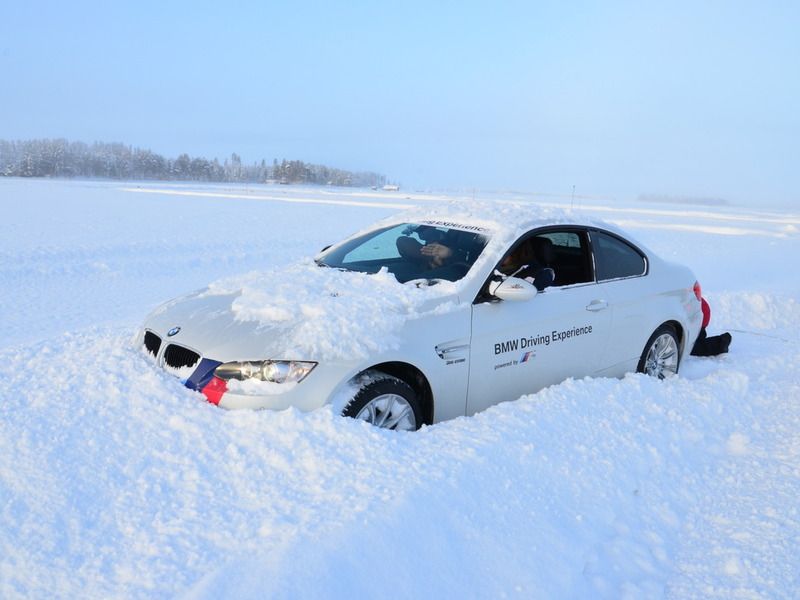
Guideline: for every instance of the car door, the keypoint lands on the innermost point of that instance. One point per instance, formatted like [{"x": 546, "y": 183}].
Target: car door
[
  {"x": 519, "y": 347},
  {"x": 623, "y": 270}
]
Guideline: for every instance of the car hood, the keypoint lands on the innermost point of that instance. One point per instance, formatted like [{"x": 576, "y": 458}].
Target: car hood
[
  {"x": 303, "y": 312},
  {"x": 208, "y": 325}
]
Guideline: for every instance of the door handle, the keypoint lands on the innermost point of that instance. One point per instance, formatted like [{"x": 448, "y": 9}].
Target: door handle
[{"x": 596, "y": 305}]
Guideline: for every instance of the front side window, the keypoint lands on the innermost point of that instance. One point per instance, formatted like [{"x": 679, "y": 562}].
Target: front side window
[
  {"x": 567, "y": 252},
  {"x": 410, "y": 251},
  {"x": 615, "y": 258}
]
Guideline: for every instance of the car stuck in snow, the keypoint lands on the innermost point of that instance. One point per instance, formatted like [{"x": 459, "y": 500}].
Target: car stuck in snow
[{"x": 431, "y": 315}]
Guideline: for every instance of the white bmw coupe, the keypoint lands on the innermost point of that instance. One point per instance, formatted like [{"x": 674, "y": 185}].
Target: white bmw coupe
[{"x": 432, "y": 315}]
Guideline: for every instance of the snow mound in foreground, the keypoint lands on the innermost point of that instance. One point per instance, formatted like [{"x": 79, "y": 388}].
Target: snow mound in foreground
[{"x": 117, "y": 481}]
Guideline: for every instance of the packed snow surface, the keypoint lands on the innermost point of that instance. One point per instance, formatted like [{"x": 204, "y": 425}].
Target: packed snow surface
[{"x": 116, "y": 481}]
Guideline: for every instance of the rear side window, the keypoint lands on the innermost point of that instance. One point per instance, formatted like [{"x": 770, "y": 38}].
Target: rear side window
[{"x": 614, "y": 258}]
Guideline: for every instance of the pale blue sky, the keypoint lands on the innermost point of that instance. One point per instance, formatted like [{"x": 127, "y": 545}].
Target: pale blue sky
[{"x": 617, "y": 98}]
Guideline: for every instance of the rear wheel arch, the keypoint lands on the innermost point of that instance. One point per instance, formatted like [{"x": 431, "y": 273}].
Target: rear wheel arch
[
  {"x": 662, "y": 352},
  {"x": 676, "y": 325}
]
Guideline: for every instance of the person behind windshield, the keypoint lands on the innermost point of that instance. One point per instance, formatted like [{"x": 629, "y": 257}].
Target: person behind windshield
[{"x": 432, "y": 253}]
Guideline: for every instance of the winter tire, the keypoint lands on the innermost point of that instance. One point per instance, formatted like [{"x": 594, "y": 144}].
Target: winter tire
[
  {"x": 386, "y": 402},
  {"x": 661, "y": 355}
]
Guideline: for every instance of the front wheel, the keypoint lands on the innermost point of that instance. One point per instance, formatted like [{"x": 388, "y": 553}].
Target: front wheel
[
  {"x": 387, "y": 402},
  {"x": 661, "y": 355}
]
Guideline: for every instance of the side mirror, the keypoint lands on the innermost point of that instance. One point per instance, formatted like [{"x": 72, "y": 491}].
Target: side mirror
[{"x": 512, "y": 288}]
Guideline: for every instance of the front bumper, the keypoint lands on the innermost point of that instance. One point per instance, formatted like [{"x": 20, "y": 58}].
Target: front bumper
[{"x": 309, "y": 394}]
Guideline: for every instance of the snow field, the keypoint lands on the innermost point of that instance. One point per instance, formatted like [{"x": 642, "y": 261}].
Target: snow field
[
  {"x": 75, "y": 254},
  {"x": 115, "y": 481}
]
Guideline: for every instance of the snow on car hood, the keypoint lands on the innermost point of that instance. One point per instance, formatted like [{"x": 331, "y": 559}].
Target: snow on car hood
[{"x": 323, "y": 313}]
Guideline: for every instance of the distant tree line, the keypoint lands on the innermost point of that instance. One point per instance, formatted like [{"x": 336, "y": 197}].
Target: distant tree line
[{"x": 62, "y": 158}]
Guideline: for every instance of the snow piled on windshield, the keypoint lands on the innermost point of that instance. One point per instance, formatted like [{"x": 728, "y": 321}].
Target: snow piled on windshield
[{"x": 326, "y": 313}]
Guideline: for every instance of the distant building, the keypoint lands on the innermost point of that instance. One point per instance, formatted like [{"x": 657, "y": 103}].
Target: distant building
[{"x": 391, "y": 188}]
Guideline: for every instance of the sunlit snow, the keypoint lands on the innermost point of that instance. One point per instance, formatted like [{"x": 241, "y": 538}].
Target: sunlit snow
[{"x": 117, "y": 481}]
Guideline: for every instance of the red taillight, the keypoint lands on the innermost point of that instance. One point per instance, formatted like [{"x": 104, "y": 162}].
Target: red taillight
[
  {"x": 698, "y": 292},
  {"x": 214, "y": 389}
]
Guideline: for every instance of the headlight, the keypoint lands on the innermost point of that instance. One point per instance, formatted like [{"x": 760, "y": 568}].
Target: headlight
[{"x": 275, "y": 371}]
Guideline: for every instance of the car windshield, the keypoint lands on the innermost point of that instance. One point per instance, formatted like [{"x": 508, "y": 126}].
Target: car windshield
[{"x": 411, "y": 251}]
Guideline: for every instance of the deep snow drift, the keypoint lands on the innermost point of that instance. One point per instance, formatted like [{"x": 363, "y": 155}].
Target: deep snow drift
[{"x": 117, "y": 481}]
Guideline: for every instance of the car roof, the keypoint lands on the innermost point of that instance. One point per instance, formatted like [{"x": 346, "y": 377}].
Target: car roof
[
  {"x": 505, "y": 221},
  {"x": 498, "y": 217}
]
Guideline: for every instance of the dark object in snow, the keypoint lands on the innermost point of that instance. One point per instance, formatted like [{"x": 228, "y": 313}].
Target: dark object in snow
[{"x": 713, "y": 345}]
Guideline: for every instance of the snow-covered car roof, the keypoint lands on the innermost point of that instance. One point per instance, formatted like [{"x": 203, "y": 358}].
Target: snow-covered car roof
[
  {"x": 503, "y": 222},
  {"x": 494, "y": 217}
]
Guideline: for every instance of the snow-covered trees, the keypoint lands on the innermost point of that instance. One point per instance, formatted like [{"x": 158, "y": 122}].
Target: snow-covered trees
[{"x": 62, "y": 158}]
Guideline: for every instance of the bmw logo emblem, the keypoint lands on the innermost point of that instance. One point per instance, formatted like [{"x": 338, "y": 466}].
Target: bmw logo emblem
[{"x": 173, "y": 331}]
